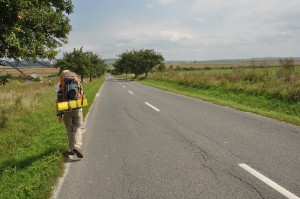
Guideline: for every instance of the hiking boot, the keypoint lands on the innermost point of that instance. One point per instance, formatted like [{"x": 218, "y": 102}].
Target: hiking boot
[{"x": 78, "y": 152}]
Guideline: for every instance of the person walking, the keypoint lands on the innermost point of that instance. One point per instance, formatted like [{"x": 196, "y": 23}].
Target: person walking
[{"x": 70, "y": 88}]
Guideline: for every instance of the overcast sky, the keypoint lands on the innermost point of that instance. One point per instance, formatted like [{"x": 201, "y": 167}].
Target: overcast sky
[{"x": 188, "y": 29}]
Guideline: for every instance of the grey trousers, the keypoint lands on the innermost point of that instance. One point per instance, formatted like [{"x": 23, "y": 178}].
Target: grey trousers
[{"x": 74, "y": 125}]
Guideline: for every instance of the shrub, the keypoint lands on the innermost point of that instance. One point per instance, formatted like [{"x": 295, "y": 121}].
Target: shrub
[
  {"x": 286, "y": 69},
  {"x": 5, "y": 79},
  {"x": 287, "y": 64}
]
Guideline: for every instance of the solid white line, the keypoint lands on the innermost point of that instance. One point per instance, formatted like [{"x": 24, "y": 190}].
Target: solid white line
[
  {"x": 269, "y": 182},
  {"x": 130, "y": 92},
  {"x": 152, "y": 106}
]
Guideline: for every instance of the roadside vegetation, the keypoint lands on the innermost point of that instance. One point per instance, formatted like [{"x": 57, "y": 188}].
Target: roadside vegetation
[
  {"x": 269, "y": 91},
  {"x": 33, "y": 144}
]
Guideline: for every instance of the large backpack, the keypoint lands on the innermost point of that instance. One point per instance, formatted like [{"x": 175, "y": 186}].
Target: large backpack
[{"x": 71, "y": 88}]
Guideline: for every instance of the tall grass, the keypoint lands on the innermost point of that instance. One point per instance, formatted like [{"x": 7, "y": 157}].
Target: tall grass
[
  {"x": 32, "y": 143},
  {"x": 274, "y": 92},
  {"x": 274, "y": 83}
]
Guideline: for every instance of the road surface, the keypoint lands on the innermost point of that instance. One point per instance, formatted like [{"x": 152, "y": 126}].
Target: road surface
[{"x": 141, "y": 142}]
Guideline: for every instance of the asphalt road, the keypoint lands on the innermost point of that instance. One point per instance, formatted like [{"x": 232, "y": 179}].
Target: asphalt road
[{"x": 141, "y": 142}]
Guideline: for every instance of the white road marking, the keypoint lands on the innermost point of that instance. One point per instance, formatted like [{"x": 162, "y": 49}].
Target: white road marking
[
  {"x": 152, "y": 106},
  {"x": 120, "y": 83},
  {"x": 269, "y": 182},
  {"x": 123, "y": 86},
  {"x": 130, "y": 92}
]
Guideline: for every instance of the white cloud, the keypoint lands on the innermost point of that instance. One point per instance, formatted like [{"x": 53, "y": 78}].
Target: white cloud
[
  {"x": 174, "y": 36},
  {"x": 200, "y": 29}
]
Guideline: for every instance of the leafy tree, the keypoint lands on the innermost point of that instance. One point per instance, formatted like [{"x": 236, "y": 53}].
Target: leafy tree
[
  {"x": 122, "y": 64},
  {"x": 138, "y": 61},
  {"x": 33, "y": 29},
  {"x": 96, "y": 66},
  {"x": 149, "y": 59},
  {"x": 82, "y": 63}
]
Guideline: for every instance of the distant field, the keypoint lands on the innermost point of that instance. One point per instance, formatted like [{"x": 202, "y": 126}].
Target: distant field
[
  {"x": 41, "y": 71},
  {"x": 224, "y": 64}
]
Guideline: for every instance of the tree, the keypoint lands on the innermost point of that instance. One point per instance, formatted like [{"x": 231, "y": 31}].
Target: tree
[
  {"x": 33, "y": 29},
  {"x": 82, "y": 63},
  {"x": 149, "y": 59},
  {"x": 96, "y": 66},
  {"x": 138, "y": 61},
  {"x": 122, "y": 64}
]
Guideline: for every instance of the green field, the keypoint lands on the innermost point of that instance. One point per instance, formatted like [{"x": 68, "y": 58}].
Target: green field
[
  {"x": 33, "y": 144},
  {"x": 224, "y": 64},
  {"x": 272, "y": 92}
]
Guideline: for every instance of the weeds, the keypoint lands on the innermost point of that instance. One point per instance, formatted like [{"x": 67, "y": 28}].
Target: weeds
[
  {"x": 282, "y": 83},
  {"x": 32, "y": 142}
]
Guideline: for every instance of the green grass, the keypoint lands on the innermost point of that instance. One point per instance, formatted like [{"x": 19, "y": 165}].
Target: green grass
[
  {"x": 266, "y": 96},
  {"x": 33, "y": 143}
]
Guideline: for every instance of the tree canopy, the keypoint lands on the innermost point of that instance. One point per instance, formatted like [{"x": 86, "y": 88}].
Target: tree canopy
[
  {"x": 83, "y": 63},
  {"x": 33, "y": 29},
  {"x": 138, "y": 61}
]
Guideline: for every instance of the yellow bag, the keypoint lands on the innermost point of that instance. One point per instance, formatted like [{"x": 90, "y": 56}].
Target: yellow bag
[{"x": 73, "y": 104}]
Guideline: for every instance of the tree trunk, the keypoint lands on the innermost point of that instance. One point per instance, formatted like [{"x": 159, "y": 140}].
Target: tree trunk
[
  {"x": 90, "y": 77},
  {"x": 82, "y": 78}
]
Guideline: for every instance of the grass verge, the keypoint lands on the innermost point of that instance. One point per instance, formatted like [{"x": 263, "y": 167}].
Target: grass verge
[
  {"x": 33, "y": 144},
  {"x": 259, "y": 104}
]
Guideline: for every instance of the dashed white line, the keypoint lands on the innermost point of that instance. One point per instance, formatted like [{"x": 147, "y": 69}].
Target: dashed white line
[
  {"x": 123, "y": 86},
  {"x": 152, "y": 106},
  {"x": 130, "y": 92},
  {"x": 269, "y": 182}
]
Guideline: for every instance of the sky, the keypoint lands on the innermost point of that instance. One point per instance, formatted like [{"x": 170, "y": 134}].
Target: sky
[{"x": 187, "y": 29}]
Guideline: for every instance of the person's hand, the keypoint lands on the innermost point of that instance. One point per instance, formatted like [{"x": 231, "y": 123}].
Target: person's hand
[{"x": 59, "y": 117}]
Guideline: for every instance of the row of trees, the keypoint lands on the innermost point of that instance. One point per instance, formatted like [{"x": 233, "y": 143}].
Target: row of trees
[
  {"x": 83, "y": 63},
  {"x": 138, "y": 61}
]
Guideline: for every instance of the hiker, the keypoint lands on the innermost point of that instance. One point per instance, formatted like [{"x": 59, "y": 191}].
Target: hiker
[{"x": 70, "y": 88}]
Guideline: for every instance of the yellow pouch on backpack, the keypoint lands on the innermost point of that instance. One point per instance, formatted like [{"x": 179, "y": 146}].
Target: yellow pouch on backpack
[{"x": 72, "y": 104}]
